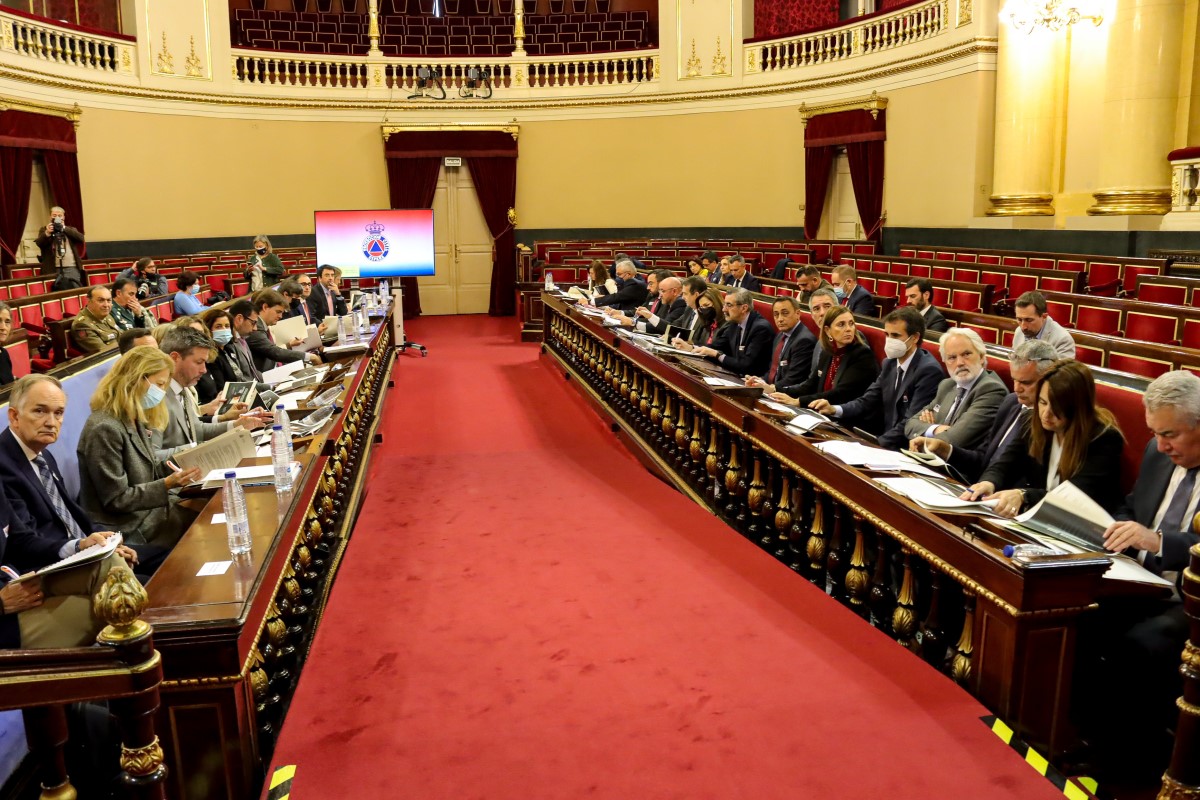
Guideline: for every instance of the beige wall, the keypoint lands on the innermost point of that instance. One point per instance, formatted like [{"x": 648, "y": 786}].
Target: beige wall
[{"x": 149, "y": 176}]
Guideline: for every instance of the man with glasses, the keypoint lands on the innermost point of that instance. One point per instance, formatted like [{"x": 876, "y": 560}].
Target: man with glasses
[
  {"x": 743, "y": 345},
  {"x": 966, "y": 402}
]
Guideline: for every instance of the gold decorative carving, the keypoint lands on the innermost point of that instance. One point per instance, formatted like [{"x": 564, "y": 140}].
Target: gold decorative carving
[
  {"x": 960, "y": 665},
  {"x": 512, "y": 128},
  {"x": 126, "y": 60},
  {"x": 964, "y": 13},
  {"x": 874, "y": 104},
  {"x": 64, "y": 791},
  {"x": 164, "y": 60},
  {"x": 119, "y": 602},
  {"x": 142, "y": 760},
  {"x": 720, "y": 64},
  {"x": 512, "y": 217},
  {"x": 693, "y": 64},
  {"x": 1187, "y": 708},
  {"x": 191, "y": 65},
  {"x": 1021, "y": 205},
  {"x": 1130, "y": 201},
  {"x": 378, "y": 77},
  {"x": 1176, "y": 190},
  {"x": 1191, "y": 656},
  {"x": 1174, "y": 790},
  {"x": 74, "y": 113},
  {"x": 8, "y": 35},
  {"x": 656, "y": 68}
]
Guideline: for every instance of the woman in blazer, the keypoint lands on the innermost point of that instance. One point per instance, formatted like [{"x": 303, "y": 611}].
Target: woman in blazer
[
  {"x": 122, "y": 485},
  {"x": 845, "y": 368},
  {"x": 711, "y": 316},
  {"x": 1070, "y": 438},
  {"x": 602, "y": 285}
]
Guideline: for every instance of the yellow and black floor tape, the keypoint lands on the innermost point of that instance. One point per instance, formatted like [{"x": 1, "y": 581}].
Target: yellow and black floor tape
[
  {"x": 281, "y": 783},
  {"x": 1080, "y": 788}
]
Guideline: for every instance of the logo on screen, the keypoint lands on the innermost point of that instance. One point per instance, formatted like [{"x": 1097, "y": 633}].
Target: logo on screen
[{"x": 375, "y": 247}]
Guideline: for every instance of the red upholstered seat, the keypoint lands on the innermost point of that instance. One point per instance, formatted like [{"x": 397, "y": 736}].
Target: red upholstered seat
[
  {"x": 919, "y": 270},
  {"x": 1094, "y": 319},
  {"x": 966, "y": 257},
  {"x": 1051, "y": 284},
  {"x": 941, "y": 273},
  {"x": 989, "y": 335},
  {"x": 1062, "y": 313},
  {"x": 941, "y": 296},
  {"x": 1014, "y": 261},
  {"x": 1092, "y": 356},
  {"x": 966, "y": 275},
  {"x": 966, "y": 300},
  {"x": 1162, "y": 293},
  {"x": 1132, "y": 271},
  {"x": 1038, "y": 262},
  {"x": 1151, "y": 327},
  {"x": 1137, "y": 365}
]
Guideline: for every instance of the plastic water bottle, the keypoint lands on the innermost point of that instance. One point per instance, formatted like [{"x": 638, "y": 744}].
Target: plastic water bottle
[
  {"x": 549, "y": 281},
  {"x": 283, "y": 420},
  {"x": 1031, "y": 551},
  {"x": 343, "y": 333},
  {"x": 237, "y": 523},
  {"x": 281, "y": 458}
]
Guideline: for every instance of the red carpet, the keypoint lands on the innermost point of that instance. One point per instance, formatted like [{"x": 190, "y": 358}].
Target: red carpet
[{"x": 523, "y": 612}]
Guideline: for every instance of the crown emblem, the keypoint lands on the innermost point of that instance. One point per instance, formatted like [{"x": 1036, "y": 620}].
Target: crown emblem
[{"x": 374, "y": 229}]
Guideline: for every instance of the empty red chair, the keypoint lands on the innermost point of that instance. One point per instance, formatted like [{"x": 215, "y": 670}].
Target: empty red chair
[
  {"x": 1104, "y": 278},
  {"x": 1094, "y": 319},
  {"x": 941, "y": 296},
  {"x": 919, "y": 270},
  {"x": 867, "y": 283},
  {"x": 989, "y": 258},
  {"x": 989, "y": 335},
  {"x": 1092, "y": 356},
  {"x": 966, "y": 300},
  {"x": 1051, "y": 284},
  {"x": 1132, "y": 272},
  {"x": 965, "y": 257},
  {"x": 925, "y": 254},
  {"x": 1062, "y": 313},
  {"x": 1015, "y": 261},
  {"x": 1151, "y": 327},
  {"x": 1138, "y": 365},
  {"x": 887, "y": 288},
  {"x": 966, "y": 275},
  {"x": 941, "y": 273},
  {"x": 1162, "y": 293},
  {"x": 768, "y": 289},
  {"x": 1006, "y": 338}
]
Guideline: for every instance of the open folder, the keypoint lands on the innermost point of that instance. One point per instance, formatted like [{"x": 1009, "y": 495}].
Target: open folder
[
  {"x": 287, "y": 330},
  {"x": 222, "y": 452}
]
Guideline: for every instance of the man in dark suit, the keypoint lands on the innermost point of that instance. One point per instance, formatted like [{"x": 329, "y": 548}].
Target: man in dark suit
[
  {"x": 851, "y": 295},
  {"x": 966, "y": 402},
  {"x": 53, "y": 525},
  {"x": 909, "y": 379},
  {"x": 632, "y": 293},
  {"x": 919, "y": 294},
  {"x": 269, "y": 306},
  {"x": 1027, "y": 364},
  {"x": 739, "y": 275},
  {"x": 743, "y": 345},
  {"x": 325, "y": 300},
  {"x": 809, "y": 280},
  {"x": 792, "y": 352},
  {"x": 671, "y": 309}
]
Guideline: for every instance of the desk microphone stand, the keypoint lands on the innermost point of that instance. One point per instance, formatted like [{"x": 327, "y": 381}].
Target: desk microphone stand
[{"x": 402, "y": 342}]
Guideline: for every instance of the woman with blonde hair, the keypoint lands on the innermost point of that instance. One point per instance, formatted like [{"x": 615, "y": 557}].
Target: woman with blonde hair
[
  {"x": 263, "y": 267},
  {"x": 122, "y": 484}
]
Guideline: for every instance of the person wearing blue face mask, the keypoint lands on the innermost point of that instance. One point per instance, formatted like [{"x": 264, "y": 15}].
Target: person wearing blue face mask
[
  {"x": 232, "y": 364},
  {"x": 186, "y": 302},
  {"x": 122, "y": 486}
]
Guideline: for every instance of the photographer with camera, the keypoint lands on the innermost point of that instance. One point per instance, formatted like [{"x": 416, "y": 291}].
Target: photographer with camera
[
  {"x": 144, "y": 273},
  {"x": 59, "y": 243}
]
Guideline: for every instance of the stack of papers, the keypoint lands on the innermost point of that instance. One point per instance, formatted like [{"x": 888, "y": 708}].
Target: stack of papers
[
  {"x": 247, "y": 476},
  {"x": 861, "y": 455},
  {"x": 713, "y": 381},
  {"x": 937, "y": 495},
  {"x": 806, "y": 419}
]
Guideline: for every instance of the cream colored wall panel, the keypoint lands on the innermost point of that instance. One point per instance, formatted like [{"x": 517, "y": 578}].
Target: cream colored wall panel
[
  {"x": 932, "y": 171},
  {"x": 148, "y": 176},
  {"x": 736, "y": 169}
]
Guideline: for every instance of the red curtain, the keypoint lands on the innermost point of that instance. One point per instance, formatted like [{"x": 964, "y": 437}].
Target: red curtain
[
  {"x": 16, "y": 178},
  {"x": 62, "y": 173},
  {"x": 866, "y": 175},
  {"x": 817, "y": 163},
  {"x": 22, "y": 135},
  {"x": 412, "y": 183},
  {"x": 496, "y": 184},
  {"x": 774, "y": 18},
  {"x": 492, "y": 158},
  {"x": 862, "y": 133}
]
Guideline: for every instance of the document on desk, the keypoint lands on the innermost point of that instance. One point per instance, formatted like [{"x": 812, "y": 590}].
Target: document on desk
[
  {"x": 282, "y": 372},
  {"x": 857, "y": 454},
  {"x": 291, "y": 328},
  {"x": 806, "y": 420},
  {"x": 223, "y": 452},
  {"x": 1123, "y": 567},
  {"x": 936, "y": 495},
  {"x": 263, "y": 474},
  {"x": 590, "y": 311},
  {"x": 715, "y": 381},
  {"x": 1067, "y": 513}
]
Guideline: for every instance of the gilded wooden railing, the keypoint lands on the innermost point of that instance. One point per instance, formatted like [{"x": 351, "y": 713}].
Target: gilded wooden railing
[
  {"x": 45, "y": 41},
  {"x": 1182, "y": 780}
]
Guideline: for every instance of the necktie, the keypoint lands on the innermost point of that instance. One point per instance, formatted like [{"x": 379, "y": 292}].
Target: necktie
[
  {"x": 1008, "y": 431},
  {"x": 329, "y": 301},
  {"x": 959, "y": 394},
  {"x": 249, "y": 359},
  {"x": 1178, "y": 507},
  {"x": 189, "y": 415},
  {"x": 56, "y": 499},
  {"x": 899, "y": 379},
  {"x": 783, "y": 337}
]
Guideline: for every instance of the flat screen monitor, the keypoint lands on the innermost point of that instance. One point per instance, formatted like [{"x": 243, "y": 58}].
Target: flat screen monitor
[{"x": 384, "y": 243}]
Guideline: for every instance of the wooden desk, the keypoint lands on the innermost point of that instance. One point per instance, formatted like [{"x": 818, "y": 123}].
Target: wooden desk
[
  {"x": 940, "y": 588},
  {"x": 232, "y": 645}
]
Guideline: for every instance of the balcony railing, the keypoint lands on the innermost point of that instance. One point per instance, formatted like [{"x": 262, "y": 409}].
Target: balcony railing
[
  {"x": 868, "y": 35},
  {"x": 66, "y": 45}
]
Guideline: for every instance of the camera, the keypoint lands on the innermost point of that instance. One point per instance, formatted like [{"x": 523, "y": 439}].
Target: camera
[{"x": 57, "y": 224}]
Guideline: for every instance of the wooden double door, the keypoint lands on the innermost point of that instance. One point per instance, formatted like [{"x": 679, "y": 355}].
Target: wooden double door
[{"x": 462, "y": 249}]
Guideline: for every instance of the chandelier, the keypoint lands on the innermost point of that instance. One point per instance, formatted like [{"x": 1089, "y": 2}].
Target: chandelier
[{"x": 1054, "y": 15}]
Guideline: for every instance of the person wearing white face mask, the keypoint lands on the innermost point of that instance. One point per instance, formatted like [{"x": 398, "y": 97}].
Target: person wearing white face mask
[
  {"x": 908, "y": 379},
  {"x": 232, "y": 364},
  {"x": 962, "y": 411},
  {"x": 122, "y": 486},
  {"x": 186, "y": 302}
]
